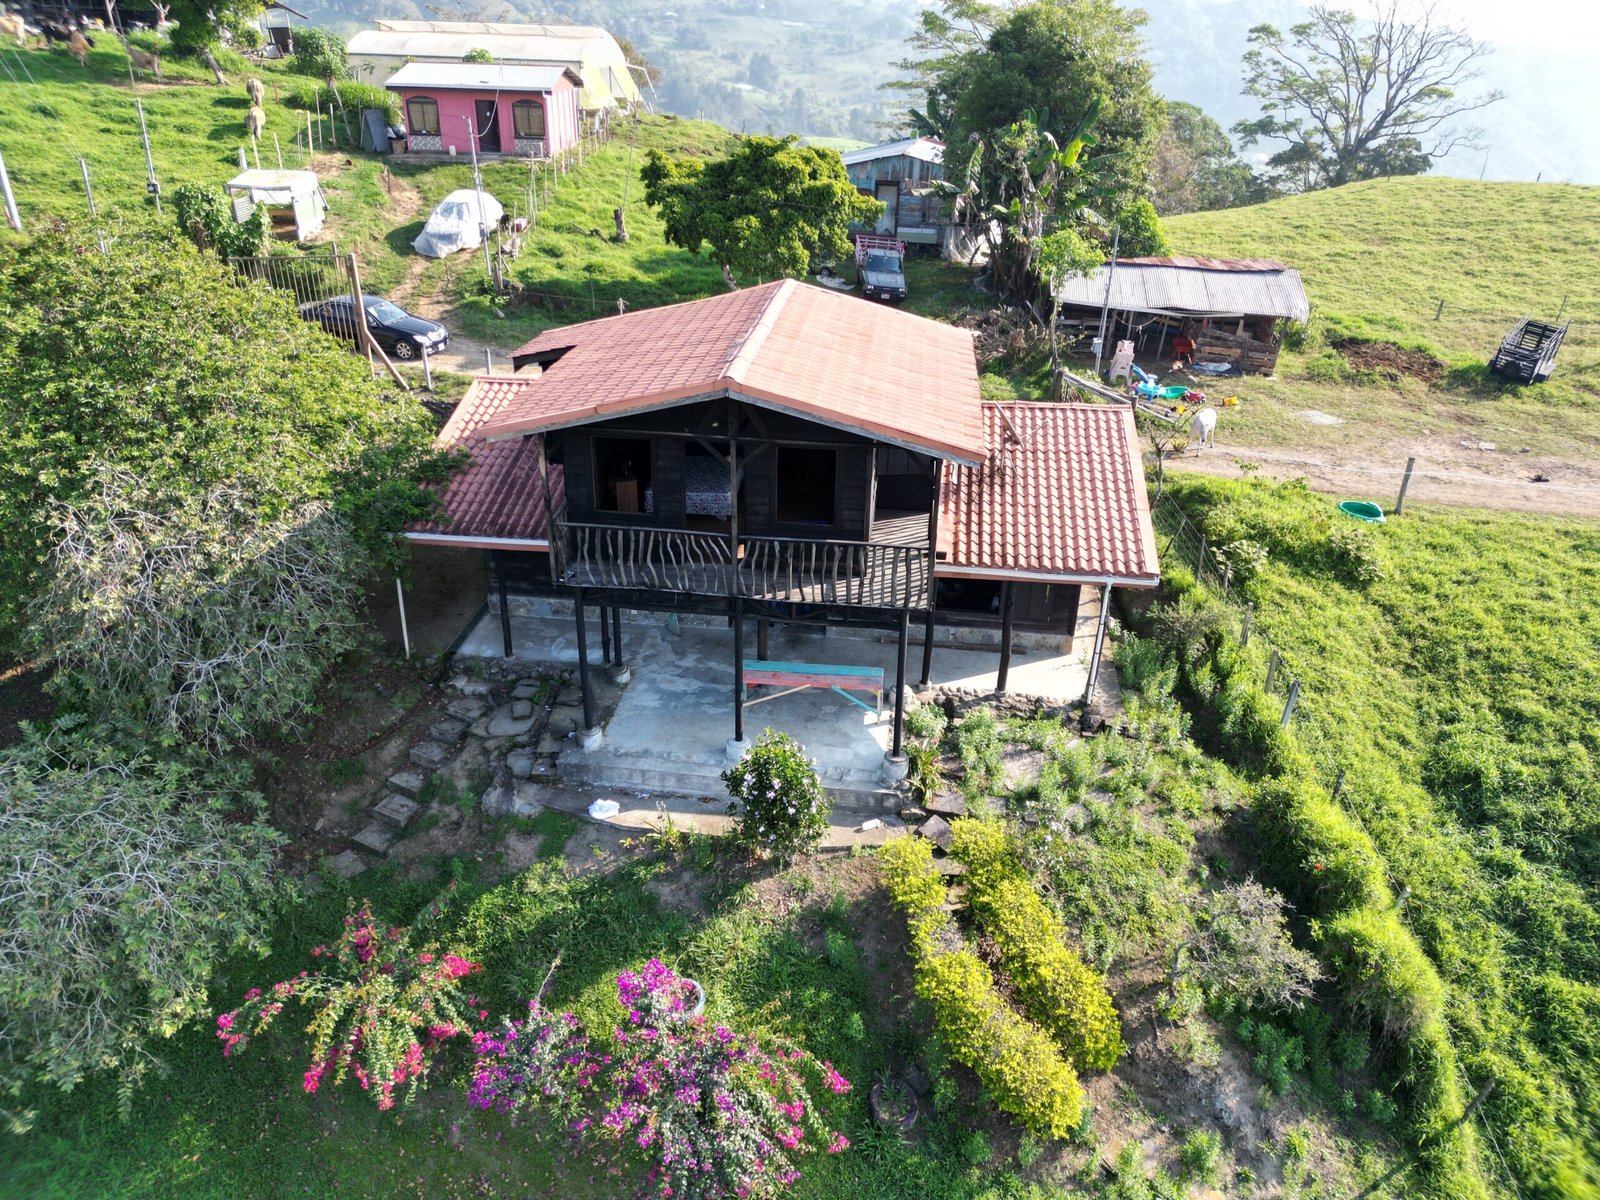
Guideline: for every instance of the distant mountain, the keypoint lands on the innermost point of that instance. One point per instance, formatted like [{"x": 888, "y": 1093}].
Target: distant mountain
[{"x": 795, "y": 65}]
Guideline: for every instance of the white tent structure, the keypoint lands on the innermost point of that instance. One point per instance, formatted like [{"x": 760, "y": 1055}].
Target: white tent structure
[
  {"x": 458, "y": 223},
  {"x": 298, "y": 191}
]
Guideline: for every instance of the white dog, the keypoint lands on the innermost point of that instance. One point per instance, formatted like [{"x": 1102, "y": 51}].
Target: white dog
[{"x": 1202, "y": 427}]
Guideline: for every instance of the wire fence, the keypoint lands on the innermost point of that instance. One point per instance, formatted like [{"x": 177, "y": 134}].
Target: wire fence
[{"x": 1181, "y": 538}]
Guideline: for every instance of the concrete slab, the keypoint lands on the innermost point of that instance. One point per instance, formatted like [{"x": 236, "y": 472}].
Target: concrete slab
[
  {"x": 671, "y": 724},
  {"x": 346, "y": 865},
  {"x": 406, "y": 783},
  {"x": 376, "y": 837},
  {"x": 395, "y": 811}
]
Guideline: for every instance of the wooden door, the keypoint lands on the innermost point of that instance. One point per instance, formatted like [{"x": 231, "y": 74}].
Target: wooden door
[
  {"x": 486, "y": 123},
  {"x": 888, "y": 194}
]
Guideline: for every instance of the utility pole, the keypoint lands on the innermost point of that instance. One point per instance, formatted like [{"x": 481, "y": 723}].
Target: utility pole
[
  {"x": 1100, "y": 342},
  {"x": 477, "y": 186},
  {"x": 151, "y": 184},
  {"x": 13, "y": 218}
]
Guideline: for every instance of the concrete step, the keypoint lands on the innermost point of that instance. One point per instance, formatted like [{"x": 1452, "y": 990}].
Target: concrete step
[
  {"x": 396, "y": 811},
  {"x": 407, "y": 783},
  {"x": 652, "y": 776},
  {"x": 375, "y": 838}
]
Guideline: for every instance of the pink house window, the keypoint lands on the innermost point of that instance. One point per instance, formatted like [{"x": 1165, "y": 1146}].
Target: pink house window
[
  {"x": 422, "y": 115},
  {"x": 528, "y": 118}
]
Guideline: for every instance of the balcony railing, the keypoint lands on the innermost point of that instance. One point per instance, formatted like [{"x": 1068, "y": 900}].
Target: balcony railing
[{"x": 772, "y": 569}]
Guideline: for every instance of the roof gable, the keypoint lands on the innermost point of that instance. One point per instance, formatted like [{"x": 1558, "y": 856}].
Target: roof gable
[{"x": 809, "y": 351}]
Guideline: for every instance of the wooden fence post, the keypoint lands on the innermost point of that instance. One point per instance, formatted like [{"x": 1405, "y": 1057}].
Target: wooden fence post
[
  {"x": 1272, "y": 669},
  {"x": 1405, "y": 482},
  {"x": 1338, "y": 784},
  {"x": 1244, "y": 626},
  {"x": 1200, "y": 559},
  {"x": 1288, "y": 707}
]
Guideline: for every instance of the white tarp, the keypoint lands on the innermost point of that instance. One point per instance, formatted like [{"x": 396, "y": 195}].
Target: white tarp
[
  {"x": 454, "y": 225},
  {"x": 297, "y": 190}
]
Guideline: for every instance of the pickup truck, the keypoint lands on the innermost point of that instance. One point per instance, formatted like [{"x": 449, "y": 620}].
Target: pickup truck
[{"x": 880, "y": 268}]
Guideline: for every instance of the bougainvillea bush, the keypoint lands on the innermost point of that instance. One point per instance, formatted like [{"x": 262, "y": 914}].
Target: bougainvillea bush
[
  {"x": 784, "y": 810},
  {"x": 379, "y": 1008},
  {"x": 715, "y": 1113}
]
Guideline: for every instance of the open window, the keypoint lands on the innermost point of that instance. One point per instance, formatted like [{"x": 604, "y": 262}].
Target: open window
[
  {"x": 622, "y": 475},
  {"x": 422, "y": 115},
  {"x": 807, "y": 486},
  {"x": 528, "y": 117}
]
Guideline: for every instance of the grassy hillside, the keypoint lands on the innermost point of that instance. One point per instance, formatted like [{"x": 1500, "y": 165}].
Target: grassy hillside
[
  {"x": 1377, "y": 259},
  {"x": 1457, "y": 695}
]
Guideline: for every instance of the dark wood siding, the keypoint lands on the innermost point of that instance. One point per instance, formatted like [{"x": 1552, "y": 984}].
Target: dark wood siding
[{"x": 526, "y": 572}]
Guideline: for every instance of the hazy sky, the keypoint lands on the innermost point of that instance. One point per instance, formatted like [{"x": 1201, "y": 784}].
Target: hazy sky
[{"x": 1560, "y": 24}]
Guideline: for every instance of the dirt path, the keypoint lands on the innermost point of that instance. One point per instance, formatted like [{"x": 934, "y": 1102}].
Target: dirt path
[{"x": 1461, "y": 472}]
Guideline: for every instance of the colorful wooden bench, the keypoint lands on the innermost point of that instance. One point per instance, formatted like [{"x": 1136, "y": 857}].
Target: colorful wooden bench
[{"x": 796, "y": 677}]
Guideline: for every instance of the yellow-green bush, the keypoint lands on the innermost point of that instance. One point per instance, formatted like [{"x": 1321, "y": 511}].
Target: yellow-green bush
[
  {"x": 1020, "y": 1068},
  {"x": 1055, "y": 986},
  {"x": 1015, "y": 1060}
]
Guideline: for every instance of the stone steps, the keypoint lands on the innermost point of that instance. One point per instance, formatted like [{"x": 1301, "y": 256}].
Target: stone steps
[{"x": 652, "y": 777}]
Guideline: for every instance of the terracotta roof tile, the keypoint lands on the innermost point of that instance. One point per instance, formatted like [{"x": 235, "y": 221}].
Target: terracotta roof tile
[
  {"x": 792, "y": 346},
  {"x": 498, "y": 495},
  {"x": 1061, "y": 494}
]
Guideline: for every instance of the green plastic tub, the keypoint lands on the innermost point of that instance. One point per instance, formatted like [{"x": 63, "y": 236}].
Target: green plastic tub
[{"x": 1362, "y": 510}]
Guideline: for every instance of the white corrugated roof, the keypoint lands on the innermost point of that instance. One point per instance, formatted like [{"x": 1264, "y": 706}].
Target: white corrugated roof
[
  {"x": 923, "y": 148},
  {"x": 559, "y": 31},
  {"x": 480, "y": 77},
  {"x": 1209, "y": 286}
]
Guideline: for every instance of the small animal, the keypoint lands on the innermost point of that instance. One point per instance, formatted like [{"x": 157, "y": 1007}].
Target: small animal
[
  {"x": 1202, "y": 427},
  {"x": 12, "y": 25},
  {"x": 255, "y": 121},
  {"x": 256, "y": 90},
  {"x": 78, "y": 46},
  {"x": 144, "y": 60}
]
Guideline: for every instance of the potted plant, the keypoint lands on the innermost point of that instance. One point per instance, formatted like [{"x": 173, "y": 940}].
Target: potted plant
[{"x": 893, "y": 1103}]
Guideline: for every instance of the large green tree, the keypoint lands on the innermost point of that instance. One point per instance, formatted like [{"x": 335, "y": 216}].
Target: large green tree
[
  {"x": 769, "y": 209},
  {"x": 1195, "y": 168},
  {"x": 157, "y": 361},
  {"x": 1058, "y": 59},
  {"x": 1351, "y": 101}
]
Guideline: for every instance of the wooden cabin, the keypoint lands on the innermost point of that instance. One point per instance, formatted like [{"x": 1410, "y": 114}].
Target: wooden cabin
[{"x": 786, "y": 453}]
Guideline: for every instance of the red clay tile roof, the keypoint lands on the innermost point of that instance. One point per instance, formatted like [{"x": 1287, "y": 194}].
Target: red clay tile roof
[
  {"x": 786, "y": 345},
  {"x": 1061, "y": 495},
  {"x": 498, "y": 495}
]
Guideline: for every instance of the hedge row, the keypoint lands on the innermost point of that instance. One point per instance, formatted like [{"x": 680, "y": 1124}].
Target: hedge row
[
  {"x": 1020, "y": 1068},
  {"x": 1323, "y": 859},
  {"x": 1055, "y": 986}
]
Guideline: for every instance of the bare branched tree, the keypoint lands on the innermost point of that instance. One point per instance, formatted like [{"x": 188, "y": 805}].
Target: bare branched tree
[
  {"x": 1240, "y": 947},
  {"x": 1351, "y": 102},
  {"x": 197, "y": 617}
]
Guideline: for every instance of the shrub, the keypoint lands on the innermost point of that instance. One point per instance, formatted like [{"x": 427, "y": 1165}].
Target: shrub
[
  {"x": 1144, "y": 666},
  {"x": 319, "y": 53},
  {"x": 1020, "y": 1068},
  {"x": 477, "y": 55},
  {"x": 1054, "y": 986},
  {"x": 1319, "y": 853},
  {"x": 977, "y": 739},
  {"x": 915, "y": 886},
  {"x": 1201, "y": 1157},
  {"x": 349, "y": 93},
  {"x": 1385, "y": 973},
  {"x": 543, "y": 1062},
  {"x": 927, "y": 722},
  {"x": 1142, "y": 235},
  {"x": 206, "y": 217},
  {"x": 380, "y": 1008},
  {"x": 784, "y": 810},
  {"x": 108, "y": 929}
]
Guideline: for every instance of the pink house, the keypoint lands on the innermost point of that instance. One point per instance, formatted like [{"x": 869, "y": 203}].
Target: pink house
[{"x": 505, "y": 109}]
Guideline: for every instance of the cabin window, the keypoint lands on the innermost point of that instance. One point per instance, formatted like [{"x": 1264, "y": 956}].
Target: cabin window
[
  {"x": 622, "y": 474},
  {"x": 422, "y": 115},
  {"x": 806, "y": 485},
  {"x": 529, "y": 118}
]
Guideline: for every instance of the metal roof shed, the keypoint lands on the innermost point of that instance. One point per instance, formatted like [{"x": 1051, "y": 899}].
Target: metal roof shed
[
  {"x": 1193, "y": 287},
  {"x": 296, "y": 190}
]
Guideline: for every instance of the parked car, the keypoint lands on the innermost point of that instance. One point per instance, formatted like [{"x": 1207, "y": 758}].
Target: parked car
[{"x": 399, "y": 334}]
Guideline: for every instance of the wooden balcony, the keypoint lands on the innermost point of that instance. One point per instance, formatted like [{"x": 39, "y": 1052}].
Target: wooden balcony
[{"x": 772, "y": 569}]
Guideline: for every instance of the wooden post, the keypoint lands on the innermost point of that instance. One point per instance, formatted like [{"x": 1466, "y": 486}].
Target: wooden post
[
  {"x": 738, "y": 668},
  {"x": 1007, "y": 608},
  {"x": 1244, "y": 626},
  {"x": 374, "y": 351},
  {"x": 277, "y": 146},
  {"x": 616, "y": 636},
  {"x": 1288, "y": 707},
  {"x": 488, "y": 361},
  {"x": 899, "y": 745},
  {"x": 1200, "y": 560},
  {"x": 505, "y": 603},
  {"x": 1405, "y": 482},
  {"x": 405, "y": 633},
  {"x": 1439, "y": 312},
  {"x": 583, "y": 659},
  {"x": 761, "y": 639},
  {"x": 427, "y": 370},
  {"x": 1338, "y": 784},
  {"x": 605, "y": 636},
  {"x": 1272, "y": 669}
]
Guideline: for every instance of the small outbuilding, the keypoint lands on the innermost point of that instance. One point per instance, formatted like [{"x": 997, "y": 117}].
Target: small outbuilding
[
  {"x": 494, "y": 108},
  {"x": 1231, "y": 308},
  {"x": 294, "y": 197},
  {"x": 899, "y": 175}
]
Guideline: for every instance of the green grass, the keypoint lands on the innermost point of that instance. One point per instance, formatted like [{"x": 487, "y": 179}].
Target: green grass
[
  {"x": 1377, "y": 258},
  {"x": 1460, "y": 693}
]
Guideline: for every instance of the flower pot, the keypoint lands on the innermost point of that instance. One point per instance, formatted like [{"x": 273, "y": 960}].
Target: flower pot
[
  {"x": 699, "y": 1005},
  {"x": 906, "y": 1099}
]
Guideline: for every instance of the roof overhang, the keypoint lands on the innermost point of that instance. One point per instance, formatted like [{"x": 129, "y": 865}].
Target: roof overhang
[
  {"x": 1002, "y": 575},
  {"x": 468, "y": 541}
]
